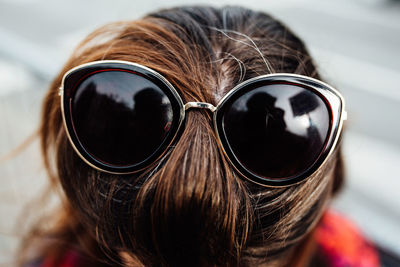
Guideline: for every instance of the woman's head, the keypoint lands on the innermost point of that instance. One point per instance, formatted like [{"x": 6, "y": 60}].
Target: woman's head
[{"x": 191, "y": 207}]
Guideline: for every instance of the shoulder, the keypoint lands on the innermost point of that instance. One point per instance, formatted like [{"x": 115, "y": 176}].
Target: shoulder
[
  {"x": 69, "y": 259},
  {"x": 340, "y": 243}
]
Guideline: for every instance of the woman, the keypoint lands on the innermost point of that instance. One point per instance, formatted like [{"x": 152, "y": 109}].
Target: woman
[{"x": 173, "y": 147}]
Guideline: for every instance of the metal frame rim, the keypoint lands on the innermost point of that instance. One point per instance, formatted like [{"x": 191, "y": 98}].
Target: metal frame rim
[
  {"x": 214, "y": 110},
  {"x": 93, "y": 63}
]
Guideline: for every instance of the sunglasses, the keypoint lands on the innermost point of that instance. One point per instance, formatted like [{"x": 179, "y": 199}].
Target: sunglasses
[{"x": 276, "y": 129}]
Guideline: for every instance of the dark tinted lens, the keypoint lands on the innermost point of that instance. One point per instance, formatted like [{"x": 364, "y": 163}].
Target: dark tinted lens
[
  {"x": 276, "y": 131},
  {"x": 120, "y": 118}
]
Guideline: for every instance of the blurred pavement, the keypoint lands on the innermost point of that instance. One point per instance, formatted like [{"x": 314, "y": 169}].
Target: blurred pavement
[{"x": 356, "y": 44}]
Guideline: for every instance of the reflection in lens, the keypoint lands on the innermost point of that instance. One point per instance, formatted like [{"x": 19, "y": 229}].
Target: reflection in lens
[
  {"x": 120, "y": 118},
  {"x": 276, "y": 131}
]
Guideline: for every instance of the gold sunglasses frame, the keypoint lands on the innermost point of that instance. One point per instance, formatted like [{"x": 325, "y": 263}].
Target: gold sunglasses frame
[{"x": 334, "y": 98}]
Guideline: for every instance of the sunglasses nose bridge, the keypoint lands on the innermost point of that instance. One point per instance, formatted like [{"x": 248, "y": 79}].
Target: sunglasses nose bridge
[{"x": 204, "y": 105}]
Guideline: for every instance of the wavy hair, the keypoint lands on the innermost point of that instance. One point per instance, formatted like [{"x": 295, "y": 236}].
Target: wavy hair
[{"x": 191, "y": 208}]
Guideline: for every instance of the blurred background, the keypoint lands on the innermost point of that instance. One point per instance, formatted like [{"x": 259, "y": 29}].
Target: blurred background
[{"x": 356, "y": 44}]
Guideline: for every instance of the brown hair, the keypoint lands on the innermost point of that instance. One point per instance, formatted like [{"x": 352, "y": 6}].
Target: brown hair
[{"x": 191, "y": 208}]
